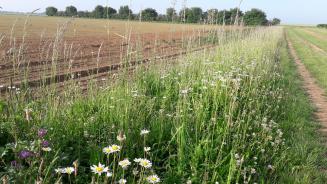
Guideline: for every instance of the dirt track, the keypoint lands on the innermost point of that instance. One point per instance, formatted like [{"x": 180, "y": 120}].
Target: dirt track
[{"x": 316, "y": 93}]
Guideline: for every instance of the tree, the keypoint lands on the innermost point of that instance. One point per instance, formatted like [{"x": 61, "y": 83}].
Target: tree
[
  {"x": 124, "y": 12},
  {"x": 229, "y": 17},
  {"x": 195, "y": 15},
  {"x": 235, "y": 16},
  {"x": 82, "y": 14},
  {"x": 51, "y": 11},
  {"x": 162, "y": 18},
  {"x": 71, "y": 11},
  {"x": 149, "y": 14},
  {"x": 224, "y": 17},
  {"x": 192, "y": 15},
  {"x": 109, "y": 12},
  {"x": 211, "y": 16},
  {"x": 98, "y": 12},
  {"x": 255, "y": 17},
  {"x": 61, "y": 13},
  {"x": 171, "y": 14},
  {"x": 184, "y": 13},
  {"x": 275, "y": 21}
]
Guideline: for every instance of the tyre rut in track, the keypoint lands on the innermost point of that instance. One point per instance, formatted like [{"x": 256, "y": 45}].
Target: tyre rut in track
[{"x": 315, "y": 92}]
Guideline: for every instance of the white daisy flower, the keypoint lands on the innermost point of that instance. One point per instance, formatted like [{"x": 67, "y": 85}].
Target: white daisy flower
[
  {"x": 111, "y": 149},
  {"x": 124, "y": 163},
  {"x": 145, "y": 163},
  {"x": 48, "y": 149},
  {"x": 115, "y": 148},
  {"x": 147, "y": 149},
  {"x": 69, "y": 170},
  {"x": 99, "y": 169},
  {"x": 109, "y": 174},
  {"x": 121, "y": 137},
  {"x": 122, "y": 181},
  {"x": 106, "y": 150},
  {"x": 153, "y": 179},
  {"x": 184, "y": 91},
  {"x": 135, "y": 172},
  {"x": 144, "y": 132},
  {"x": 253, "y": 171},
  {"x": 60, "y": 170}
]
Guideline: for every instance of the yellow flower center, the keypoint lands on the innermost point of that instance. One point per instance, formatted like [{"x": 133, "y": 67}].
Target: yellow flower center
[
  {"x": 145, "y": 163},
  {"x": 107, "y": 150},
  {"x": 115, "y": 148},
  {"x": 99, "y": 169}
]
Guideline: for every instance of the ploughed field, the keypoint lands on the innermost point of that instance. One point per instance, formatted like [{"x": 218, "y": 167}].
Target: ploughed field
[{"x": 41, "y": 50}]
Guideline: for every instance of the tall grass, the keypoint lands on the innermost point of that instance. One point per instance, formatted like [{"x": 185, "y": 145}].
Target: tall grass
[{"x": 213, "y": 116}]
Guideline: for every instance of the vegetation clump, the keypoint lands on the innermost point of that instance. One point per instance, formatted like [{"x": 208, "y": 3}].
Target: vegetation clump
[
  {"x": 322, "y": 25},
  {"x": 254, "y": 17}
]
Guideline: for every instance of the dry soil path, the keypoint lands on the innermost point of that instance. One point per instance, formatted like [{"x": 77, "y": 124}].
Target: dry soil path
[{"x": 316, "y": 93}]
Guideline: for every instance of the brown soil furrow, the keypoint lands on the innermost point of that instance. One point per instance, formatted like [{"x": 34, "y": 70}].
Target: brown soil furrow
[
  {"x": 46, "y": 67},
  {"x": 316, "y": 93},
  {"x": 81, "y": 73}
]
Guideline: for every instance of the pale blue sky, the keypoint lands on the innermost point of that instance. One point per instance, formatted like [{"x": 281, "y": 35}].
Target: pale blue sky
[{"x": 290, "y": 11}]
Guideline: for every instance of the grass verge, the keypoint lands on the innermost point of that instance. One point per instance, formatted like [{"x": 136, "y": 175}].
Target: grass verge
[{"x": 306, "y": 150}]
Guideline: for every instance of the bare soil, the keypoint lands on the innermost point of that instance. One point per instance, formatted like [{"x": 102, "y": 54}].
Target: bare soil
[{"x": 82, "y": 57}]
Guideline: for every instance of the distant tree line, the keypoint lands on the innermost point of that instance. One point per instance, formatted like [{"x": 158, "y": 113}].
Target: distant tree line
[
  {"x": 232, "y": 16},
  {"x": 322, "y": 25}
]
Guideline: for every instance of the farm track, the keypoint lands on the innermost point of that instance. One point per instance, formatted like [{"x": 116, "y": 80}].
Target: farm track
[{"x": 315, "y": 92}]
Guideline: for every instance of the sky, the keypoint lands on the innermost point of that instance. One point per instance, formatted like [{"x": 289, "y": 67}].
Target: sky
[{"x": 308, "y": 12}]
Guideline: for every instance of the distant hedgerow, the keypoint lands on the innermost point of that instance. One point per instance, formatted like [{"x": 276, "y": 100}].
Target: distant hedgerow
[{"x": 322, "y": 25}]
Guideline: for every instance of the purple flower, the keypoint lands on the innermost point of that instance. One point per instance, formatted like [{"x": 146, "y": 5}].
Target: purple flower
[
  {"x": 45, "y": 144},
  {"x": 25, "y": 154},
  {"x": 42, "y": 132},
  {"x": 15, "y": 164}
]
